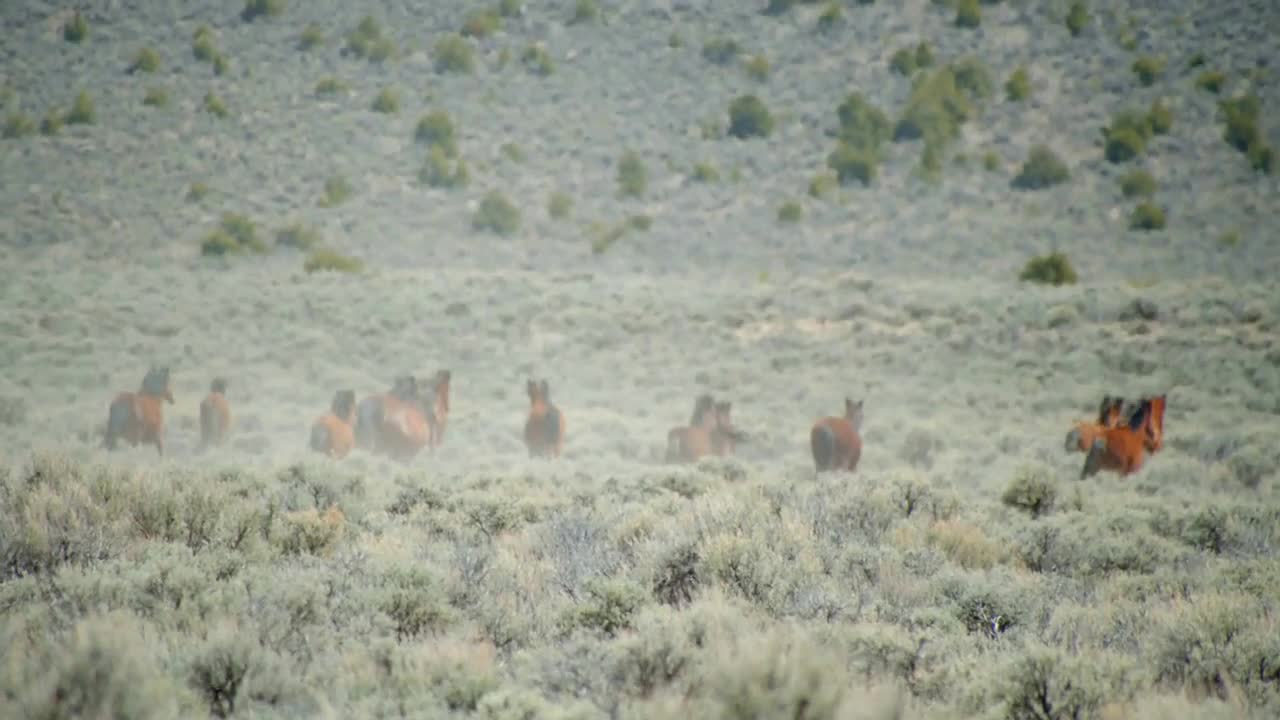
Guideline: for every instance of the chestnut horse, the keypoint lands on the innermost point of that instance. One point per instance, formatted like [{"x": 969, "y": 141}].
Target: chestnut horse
[
  {"x": 724, "y": 436},
  {"x": 1122, "y": 449},
  {"x": 332, "y": 432},
  {"x": 439, "y": 410},
  {"x": 408, "y": 418},
  {"x": 215, "y": 415},
  {"x": 544, "y": 428},
  {"x": 372, "y": 409},
  {"x": 138, "y": 417},
  {"x": 692, "y": 441},
  {"x": 835, "y": 441}
]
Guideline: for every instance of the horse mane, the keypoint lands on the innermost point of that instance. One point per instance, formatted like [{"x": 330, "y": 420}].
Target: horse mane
[
  {"x": 701, "y": 406},
  {"x": 219, "y": 385},
  {"x": 1139, "y": 416},
  {"x": 156, "y": 381}
]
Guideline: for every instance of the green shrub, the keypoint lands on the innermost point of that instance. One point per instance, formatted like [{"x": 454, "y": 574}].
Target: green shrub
[
  {"x": 254, "y": 9},
  {"x": 1018, "y": 87},
  {"x": 1077, "y": 18},
  {"x": 1041, "y": 170},
  {"x": 852, "y": 164},
  {"x": 235, "y": 234},
  {"x": 214, "y": 105},
  {"x": 444, "y": 170},
  {"x": 331, "y": 86},
  {"x": 496, "y": 214},
  {"x": 509, "y": 8},
  {"x": 336, "y": 192},
  {"x": 779, "y": 7},
  {"x": 906, "y": 61},
  {"x": 82, "y": 111},
  {"x": 1138, "y": 183},
  {"x": 705, "y": 173},
  {"x": 1147, "y": 216},
  {"x": 633, "y": 178},
  {"x": 325, "y": 260},
  {"x": 1160, "y": 118},
  {"x": 757, "y": 68},
  {"x": 156, "y": 97},
  {"x": 863, "y": 126},
  {"x": 1211, "y": 81},
  {"x": 1242, "y": 131},
  {"x": 453, "y": 53},
  {"x": 1031, "y": 490},
  {"x": 1126, "y": 137},
  {"x": 436, "y": 129},
  {"x": 720, "y": 50},
  {"x": 367, "y": 41},
  {"x": 749, "y": 117},
  {"x": 990, "y": 162},
  {"x": 823, "y": 185},
  {"x": 202, "y": 44},
  {"x": 584, "y": 11},
  {"x": 830, "y": 17},
  {"x": 973, "y": 79},
  {"x": 537, "y": 60},
  {"x": 1051, "y": 269},
  {"x": 147, "y": 61},
  {"x": 311, "y": 37},
  {"x": 559, "y": 205},
  {"x": 197, "y": 192},
  {"x": 17, "y": 124},
  {"x": 968, "y": 14},
  {"x": 640, "y": 222},
  {"x": 387, "y": 101},
  {"x": 52, "y": 122},
  {"x": 1148, "y": 69},
  {"x": 221, "y": 65},
  {"x": 790, "y": 212},
  {"x": 482, "y": 24},
  {"x": 76, "y": 29},
  {"x": 936, "y": 108}
]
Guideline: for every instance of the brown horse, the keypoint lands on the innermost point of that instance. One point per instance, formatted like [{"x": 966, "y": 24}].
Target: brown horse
[
  {"x": 332, "y": 432},
  {"x": 1122, "y": 449},
  {"x": 544, "y": 429},
  {"x": 439, "y": 414},
  {"x": 725, "y": 436},
  {"x": 835, "y": 441},
  {"x": 411, "y": 419},
  {"x": 215, "y": 415},
  {"x": 1155, "y": 427},
  {"x": 138, "y": 417},
  {"x": 372, "y": 409},
  {"x": 692, "y": 441}
]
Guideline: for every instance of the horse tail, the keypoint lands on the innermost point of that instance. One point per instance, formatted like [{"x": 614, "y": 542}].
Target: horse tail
[
  {"x": 118, "y": 417},
  {"x": 320, "y": 437},
  {"x": 823, "y": 443}
]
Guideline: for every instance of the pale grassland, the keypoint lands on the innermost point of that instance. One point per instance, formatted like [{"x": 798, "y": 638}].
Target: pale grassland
[{"x": 963, "y": 571}]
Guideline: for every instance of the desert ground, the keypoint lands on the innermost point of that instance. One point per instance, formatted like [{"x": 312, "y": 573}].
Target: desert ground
[{"x": 307, "y": 197}]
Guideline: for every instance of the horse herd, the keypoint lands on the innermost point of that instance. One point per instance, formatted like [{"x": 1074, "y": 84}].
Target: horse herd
[{"x": 412, "y": 415}]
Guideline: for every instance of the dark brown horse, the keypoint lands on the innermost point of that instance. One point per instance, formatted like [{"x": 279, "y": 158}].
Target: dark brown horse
[
  {"x": 544, "y": 428},
  {"x": 138, "y": 417},
  {"x": 836, "y": 442}
]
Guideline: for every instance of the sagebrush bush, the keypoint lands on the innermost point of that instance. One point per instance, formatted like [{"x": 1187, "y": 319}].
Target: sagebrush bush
[
  {"x": 1138, "y": 183},
  {"x": 1147, "y": 216},
  {"x": 452, "y": 53},
  {"x": 76, "y": 29},
  {"x": 779, "y": 7},
  {"x": 214, "y": 105},
  {"x": 156, "y": 97},
  {"x": 1242, "y": 131},
  {"x": 863, "y": 126},
  {"x": 721, "y": 50},
  {"x": 1042, "y": 169},
  {"x": 633, "y": 177},
  {"x": 311, "y": 37},
  {"x": 235, "y": 234},
  {"x": 823, "y": 185},
  {"x": 367, "y": 41},
  {"x": 496, "y": 214},
  {"x": 52, "y": 122},
  {"x": 18, "y": 124},
  {"x": 331, "y": 86},
  {"x": 202, "y": 44},
  {"x": 1160, "y": 117},
  {"x": 790, "y": 212},
  {"x": 537, "y": 60},
  {"x": 82, "y": 110},
  {"x": 968, "y": 14},
  {"x": 831, "y": 17},
  {"x": 1211, "y": 81},
  {"x": 584, "y": 11},
  {"x": 326, "y": 260},
  {"x": 852, "y": 164},
  {"x": 146, "y": 60},
  {"x": 1127, "y": 135},
  {"x": 387, "y": 101},
  {"x": 254, "y": 9},
  {"x": 336, "y": 192},
  {"x": 481, "y": 24},
  {"x": 941, "y": 101},
  {"x": 749, "y": 117},
  {"x": 298, "y": 235},
  {"x": 559, "y": 205},
  {"x": 1148, "y": 69},
  {"x": 757, "y": 67},
  {"x": 1018, "y": 87},
  {"x": 1051, "y": 269},
  {"x": 436, "y": 129},
  {"x": 512, "y": 152},
  {"x": 1077, "y": 18},
  {"x": 444, "y": 170}
]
